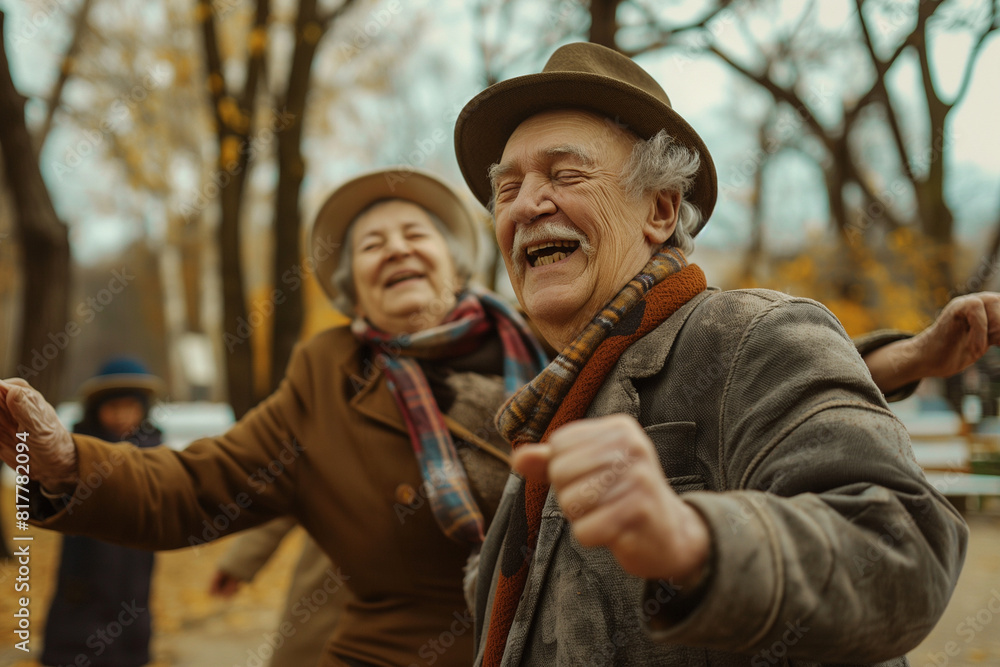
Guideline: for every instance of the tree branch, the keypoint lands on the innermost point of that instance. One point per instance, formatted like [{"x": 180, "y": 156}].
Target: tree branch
[
  {"x": 974, "y": 56},
  {"x": 879, "y": 88},
  {"x": 213, "y": 60},
  {"x": 780, "y": 94},
  {"x": 327, "y": 19},
  {"x": 80, "y": 28},
  {"x": 935, "y": 105},
  {"x": 836, "y": 146},
  {"x": 987, "y": 267},
  {"x": 255, "y": 63},
  {"x": 667, "y": 34}
]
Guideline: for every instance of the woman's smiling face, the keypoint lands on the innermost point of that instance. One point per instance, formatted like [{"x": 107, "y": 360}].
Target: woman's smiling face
[{"x": 404, "y": 276}]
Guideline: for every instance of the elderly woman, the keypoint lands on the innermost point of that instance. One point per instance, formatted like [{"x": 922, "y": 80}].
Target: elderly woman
[{"x": 379, "y": 441}]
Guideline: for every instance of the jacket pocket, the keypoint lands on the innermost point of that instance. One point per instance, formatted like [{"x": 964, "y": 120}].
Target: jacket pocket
[{"x": 675, "y": 447}]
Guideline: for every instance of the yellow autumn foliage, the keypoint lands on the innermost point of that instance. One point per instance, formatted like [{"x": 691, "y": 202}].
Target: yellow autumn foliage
[
  {"x": 229, "y": 111},
  {"x": 318, "y": 315},
  {"x": 202, "y": 11},
  {"x": 229, "y": 151},
  {"x": 896, "y": 286},
  {"x": 184, "y": 69},
  {"x": 257, "y": 40},
  {"x": 319, "y": 312},
  {"x": 216, "y": 83}
]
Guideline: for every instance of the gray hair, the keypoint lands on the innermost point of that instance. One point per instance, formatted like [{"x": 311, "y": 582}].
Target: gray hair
[
  {"x": 659, "y": 164},
  {"x": 343, "y": 277}
]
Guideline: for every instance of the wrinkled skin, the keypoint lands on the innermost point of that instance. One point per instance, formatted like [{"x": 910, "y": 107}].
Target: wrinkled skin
[{"x": 53, "y": 454}]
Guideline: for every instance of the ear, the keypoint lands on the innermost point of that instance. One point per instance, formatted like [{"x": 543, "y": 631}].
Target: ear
[{"x": 662, "y": 217}]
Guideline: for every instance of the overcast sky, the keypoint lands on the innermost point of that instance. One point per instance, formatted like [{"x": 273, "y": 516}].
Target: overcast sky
[{"x": 701, "y": 89}]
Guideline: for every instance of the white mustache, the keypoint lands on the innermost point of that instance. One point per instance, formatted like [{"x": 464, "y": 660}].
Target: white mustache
[{"x": 528, "y": 235}]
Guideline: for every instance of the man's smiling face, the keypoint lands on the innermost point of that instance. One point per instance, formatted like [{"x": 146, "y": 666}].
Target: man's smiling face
[{"x": 570, "y": 235}]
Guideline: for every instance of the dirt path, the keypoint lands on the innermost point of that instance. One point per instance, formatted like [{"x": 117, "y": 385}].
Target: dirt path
[
  {"x": 190, "y": 628},
  {"x": 968, "y": 634}
]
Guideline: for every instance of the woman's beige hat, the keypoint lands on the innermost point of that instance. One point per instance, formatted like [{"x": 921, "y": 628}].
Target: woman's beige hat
[{"x": 400, "y": 182}]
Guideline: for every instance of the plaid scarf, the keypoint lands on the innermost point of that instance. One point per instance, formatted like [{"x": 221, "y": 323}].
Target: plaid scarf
[
  {"x": 476, "y": 315},
  {"x": 562, "y": 393}
]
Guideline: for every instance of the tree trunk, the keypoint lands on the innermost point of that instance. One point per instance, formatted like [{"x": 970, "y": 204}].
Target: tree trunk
[
  {"x": 287, "y": 215},
  {"x": 936, "y": 218},
  {"x": 235, "y": 325},
  {"x": 170, "y": 262},
  {"x": 44, "y": 243},
  {"x": 835, "y": 182},
  {"x": 288, "y": 309},
  {"x": 987, "y": 267},
  {"x": 604, "y": 22},
  {"x": 755, "y": 249},
  {"x": 234, "y": 121},
  {"x": 192, "y": 250}
]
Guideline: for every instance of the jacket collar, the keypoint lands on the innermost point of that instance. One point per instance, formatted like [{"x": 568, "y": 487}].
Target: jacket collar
[
  {"x": 644, "y": 358},
  {"x": 647, "y": 356},
  {"x": 373, "y": 399}
]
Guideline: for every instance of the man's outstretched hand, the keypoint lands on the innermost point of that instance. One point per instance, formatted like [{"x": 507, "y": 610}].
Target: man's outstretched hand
[
  {"x": 963, "y": 331},
  {"x": 961, "y": 334}
]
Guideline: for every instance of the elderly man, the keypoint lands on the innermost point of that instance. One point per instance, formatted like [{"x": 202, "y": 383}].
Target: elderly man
[{"x": 720, "y": 481}]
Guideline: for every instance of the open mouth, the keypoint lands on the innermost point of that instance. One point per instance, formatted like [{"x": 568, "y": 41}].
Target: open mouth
[
  {"x": 550, "y": 252},
  {"x": 402, "y": 276}
]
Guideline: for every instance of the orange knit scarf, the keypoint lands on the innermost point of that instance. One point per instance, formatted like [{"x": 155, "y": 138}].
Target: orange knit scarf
[{"x": 566, "y": 388}]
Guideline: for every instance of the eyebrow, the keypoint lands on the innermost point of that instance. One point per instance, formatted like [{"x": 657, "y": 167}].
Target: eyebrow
[
  {"x": 407, "y": 226},
  {"x": 499, "y": 170},
  {"x": 571, "y": 150}
]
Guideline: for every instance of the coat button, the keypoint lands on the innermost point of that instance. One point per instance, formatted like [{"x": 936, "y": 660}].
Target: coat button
[{"x": 405, "y": 494}]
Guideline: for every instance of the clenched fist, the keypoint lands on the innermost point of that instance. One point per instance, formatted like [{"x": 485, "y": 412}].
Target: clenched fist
[
  {"x": 52, "y": 452},
  {"x": 608, "y": 480}
]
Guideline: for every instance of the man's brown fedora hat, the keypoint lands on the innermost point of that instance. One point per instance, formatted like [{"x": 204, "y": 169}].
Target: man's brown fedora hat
[
  {"x": 399, "y": 182},
  {"x": 577, "y": 76}
]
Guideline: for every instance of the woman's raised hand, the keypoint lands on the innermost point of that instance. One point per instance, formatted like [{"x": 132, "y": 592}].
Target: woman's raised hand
[{"x": 29, "y": 425}]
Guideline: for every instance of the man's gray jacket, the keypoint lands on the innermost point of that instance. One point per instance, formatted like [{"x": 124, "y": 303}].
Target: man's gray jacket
[{"x": 829, "y": 544}]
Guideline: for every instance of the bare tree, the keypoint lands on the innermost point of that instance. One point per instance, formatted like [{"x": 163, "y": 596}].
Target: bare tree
[
  {"x": 233, "y": 111},
  {"x": 80, "y": 29},
  {"x": 310, "y": 26},
  {"x": 44, "y": 244},
  {"x": 781, "y": 69},
  {"x": 604, "y": 22}
]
